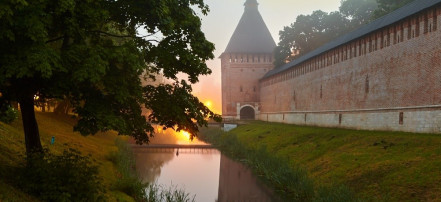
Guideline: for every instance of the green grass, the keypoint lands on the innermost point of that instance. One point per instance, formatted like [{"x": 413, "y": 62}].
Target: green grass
[
  {"x": 12, "y": 151},
  {"x": 387, "y": 166}
]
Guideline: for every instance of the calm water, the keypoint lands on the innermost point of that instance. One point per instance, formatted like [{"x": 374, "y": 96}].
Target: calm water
[{"x": 205, "y": 173}]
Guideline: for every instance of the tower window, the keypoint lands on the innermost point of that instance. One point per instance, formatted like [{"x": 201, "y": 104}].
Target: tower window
[{"x": 241, "y": 89}]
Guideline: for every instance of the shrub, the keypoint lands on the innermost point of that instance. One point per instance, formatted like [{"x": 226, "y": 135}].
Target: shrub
[
  {"x": 7, "y": 114},
  {"x": 68, "y": 177}
]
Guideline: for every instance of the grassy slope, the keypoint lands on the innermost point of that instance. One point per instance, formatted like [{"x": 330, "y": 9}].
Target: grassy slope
[
  {"x": 378, "y": 165},
  {"x": 12, "y": 150}
]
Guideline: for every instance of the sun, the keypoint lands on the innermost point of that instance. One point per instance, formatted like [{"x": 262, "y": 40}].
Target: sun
[
  {"x": 208, "y": 104},
  {"x": 185, "y": 134}
]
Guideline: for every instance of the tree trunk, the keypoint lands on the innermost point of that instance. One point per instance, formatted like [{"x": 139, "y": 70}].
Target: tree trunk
[{"x": 32, "y": 135}]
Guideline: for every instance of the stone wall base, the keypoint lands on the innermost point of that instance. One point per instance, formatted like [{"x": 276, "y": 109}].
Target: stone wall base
[{"x": 418, "y": 121}]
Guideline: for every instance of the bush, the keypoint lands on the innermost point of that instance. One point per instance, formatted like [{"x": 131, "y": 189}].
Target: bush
[
  {"x": 7, "y": 114},
  {"x": 68, "y": 177}
]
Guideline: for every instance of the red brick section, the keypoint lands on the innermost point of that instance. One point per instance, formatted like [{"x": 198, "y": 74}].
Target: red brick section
[
  {"x": 396, "y": 66},
  {"x": 240, "y": 79}
]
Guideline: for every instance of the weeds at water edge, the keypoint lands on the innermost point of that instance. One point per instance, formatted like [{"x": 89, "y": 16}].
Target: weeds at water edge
[
  {"x": 172, "y": 193},
  {"x": 128, "y": 180}
]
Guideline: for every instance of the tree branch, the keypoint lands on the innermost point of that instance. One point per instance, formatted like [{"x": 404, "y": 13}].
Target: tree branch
[
  {"x": 55, "y": 39},
  {"x": 113, "y": 35}
]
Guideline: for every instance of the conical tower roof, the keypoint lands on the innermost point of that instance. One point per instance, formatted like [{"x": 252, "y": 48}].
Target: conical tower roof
[{"x": 251, "y": 34}]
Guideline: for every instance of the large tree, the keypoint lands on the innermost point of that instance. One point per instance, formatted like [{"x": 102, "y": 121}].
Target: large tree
[
  {"x": 309, "y": 32},
  {"x": 94, "y": 53}
]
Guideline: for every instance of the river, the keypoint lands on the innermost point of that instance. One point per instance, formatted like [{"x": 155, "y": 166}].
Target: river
[{"x": 204, "y": 173}]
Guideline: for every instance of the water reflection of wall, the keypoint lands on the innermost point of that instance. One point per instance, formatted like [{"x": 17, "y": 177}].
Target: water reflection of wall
[{"x": 237, "y": 183}]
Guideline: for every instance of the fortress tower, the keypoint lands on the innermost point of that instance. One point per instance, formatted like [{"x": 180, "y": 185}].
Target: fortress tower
[{"x": 247, "y": 58}]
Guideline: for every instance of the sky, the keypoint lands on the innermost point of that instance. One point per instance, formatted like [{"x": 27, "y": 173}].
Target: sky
[{"x": 222, "y": 20}]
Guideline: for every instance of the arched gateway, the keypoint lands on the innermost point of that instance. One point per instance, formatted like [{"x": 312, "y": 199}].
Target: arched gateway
[{"x": 247, "y": 113}]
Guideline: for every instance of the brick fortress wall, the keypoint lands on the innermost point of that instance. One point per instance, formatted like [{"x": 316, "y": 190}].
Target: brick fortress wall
[{"x": 389, "y": 79}]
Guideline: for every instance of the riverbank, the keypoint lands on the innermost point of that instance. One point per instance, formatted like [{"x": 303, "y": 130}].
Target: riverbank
[
  {"x": 380, "y": 166},
  {"x": 99, "y": 147}
]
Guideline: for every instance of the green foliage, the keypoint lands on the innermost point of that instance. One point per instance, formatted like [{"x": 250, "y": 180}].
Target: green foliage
[
  {"x": 95, "y": 53},
  {"x": 169, "y": 101},
  {"x": 387, "y": 6},
  {"x": 7, "y": 113},
  {"x": 309, "y": 32},
  {"x": 358, "y": 11},
  {"x": 68, "y": 177}
]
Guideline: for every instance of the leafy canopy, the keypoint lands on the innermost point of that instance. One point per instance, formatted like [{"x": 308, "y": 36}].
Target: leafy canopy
[
  {"x": 95, "y": 53},
  {"x": 309, "y": 32}
]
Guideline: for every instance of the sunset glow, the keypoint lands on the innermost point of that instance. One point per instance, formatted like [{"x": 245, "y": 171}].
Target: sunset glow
[
  {"x": 208, "y": 104},
  {"x": 185, "y": 134}
]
